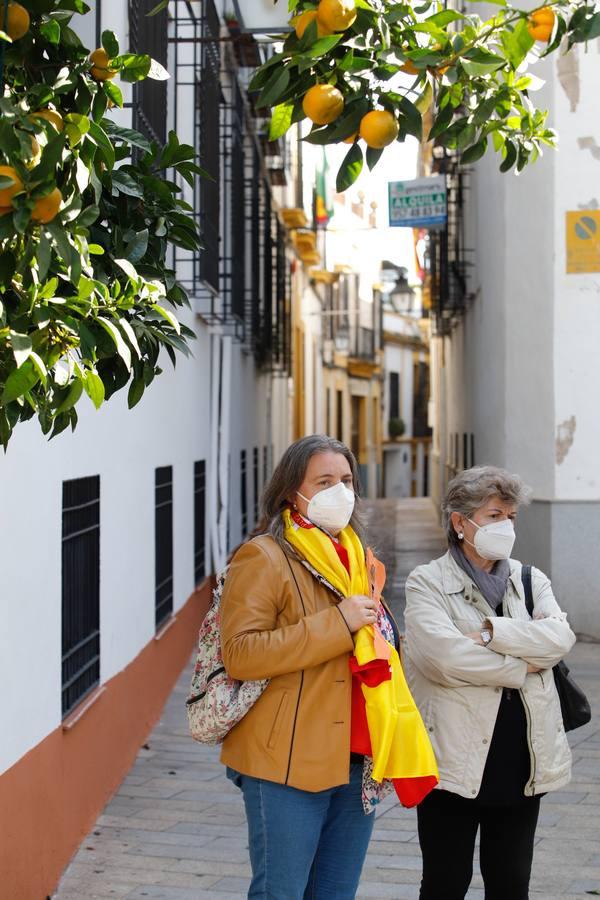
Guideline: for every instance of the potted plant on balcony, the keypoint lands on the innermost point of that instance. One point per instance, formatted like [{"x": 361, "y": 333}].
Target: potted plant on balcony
[{"x": 396, "y": 428}]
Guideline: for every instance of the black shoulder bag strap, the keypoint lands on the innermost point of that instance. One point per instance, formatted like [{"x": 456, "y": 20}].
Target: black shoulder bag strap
[
  {"x": 526, "y": 580},
  {"x": 574, "y": 704}
]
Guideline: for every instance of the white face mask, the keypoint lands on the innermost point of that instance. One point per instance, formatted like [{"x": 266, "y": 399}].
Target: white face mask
[
  {"x": 332, "y": 508},
  {"x": 494, "y": 541}
]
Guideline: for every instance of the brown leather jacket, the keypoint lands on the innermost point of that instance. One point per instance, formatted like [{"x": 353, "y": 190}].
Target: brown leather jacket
[{"x": 298, "y": 731}]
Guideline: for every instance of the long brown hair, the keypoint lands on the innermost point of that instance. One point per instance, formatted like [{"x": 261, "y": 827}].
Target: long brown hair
[{"x": 289, "y": 475}]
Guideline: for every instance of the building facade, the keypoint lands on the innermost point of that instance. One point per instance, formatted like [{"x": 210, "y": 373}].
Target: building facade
[
  {"x": 110, "y": 535},
  {"x": 514, "y": 356}
]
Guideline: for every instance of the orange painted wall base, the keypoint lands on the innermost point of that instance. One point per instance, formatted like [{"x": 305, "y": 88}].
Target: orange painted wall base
[{"x": 52, "y": 796}]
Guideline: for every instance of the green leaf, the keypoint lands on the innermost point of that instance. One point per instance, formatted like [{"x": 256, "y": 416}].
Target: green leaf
[
  {"x": 413, "y": 121},
  {"x": 443, "y": 18},
  {"x": 475, "y": 152},
  {"x": 133, "y": 66},
  {"x": 19, "y": 382},
  {"x": 442, "y": 121},
  {"x": 113, "y": 92},
  {"x": 517, "y": 44},
  {"x": 130, "y": 333},
  {"x": 128, "y": 135},
  {"x": 102, "y": 141},
  {"x": 136, "y": 249},
  {"x": 43, "y": 255},
  {"x": 122, "y": 348},
  {"x": 94, "y": 388},
  {"x": 123, "y": 183},
  {"x": 281, "y": 120},
  {"x": 168, "y": 315},
  {"x": 136, "y": 392},
  {"x": 129, "y": 269},
  {"x": 373, "y": 157},
  {"x": 51, "y": 31},
  {"x": 73, "y": 395},
  {"x": 350, "y": 168},
  {"x": 110, "y": 43},
  {"x": 88, "y": 216},
  {"x": 21, "y": 347},
  {"x": 510, "y": 156},
  {"x": 274, "y": 88}
]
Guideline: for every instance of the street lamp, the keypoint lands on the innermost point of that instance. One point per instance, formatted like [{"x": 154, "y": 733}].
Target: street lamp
[{"x": 262, "y": 17}]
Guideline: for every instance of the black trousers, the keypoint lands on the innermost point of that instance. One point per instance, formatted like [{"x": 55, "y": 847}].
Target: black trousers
[{"x": 448, "y": 826}]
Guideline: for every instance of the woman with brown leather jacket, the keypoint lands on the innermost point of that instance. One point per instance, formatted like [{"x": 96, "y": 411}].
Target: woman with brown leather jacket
[{"x": 282, "y": 620}]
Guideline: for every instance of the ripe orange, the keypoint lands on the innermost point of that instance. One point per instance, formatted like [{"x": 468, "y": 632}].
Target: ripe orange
[
  {"x": 336, "y": 15},
  {"x": 323, "y": 103},
  {"x": 46, "y": 208},
  {"x": 50, "y": 115},
  {"x": 7, "y": 193},
  {"x": 17, "y": 21},
  {"x": 541, "y": 23},
  {"x": 302, "y": 22},
  {"x": 409, "y": 67},
  {"x": 379, "y": 128},
  {"x": 351, "y": 138},
  {"x": 100, "y": 70}
]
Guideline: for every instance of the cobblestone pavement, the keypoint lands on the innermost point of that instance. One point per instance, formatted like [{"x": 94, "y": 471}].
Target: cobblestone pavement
[{"x": 175, "y": 829}]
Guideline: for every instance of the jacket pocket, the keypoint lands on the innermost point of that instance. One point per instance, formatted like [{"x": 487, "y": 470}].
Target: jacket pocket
[{"x": 278, "y": 720}]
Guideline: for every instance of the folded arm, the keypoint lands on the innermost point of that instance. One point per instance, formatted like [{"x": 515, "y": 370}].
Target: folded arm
[
  {"x": 541, "y": 641},
  {"x": 445, "y": 655}
]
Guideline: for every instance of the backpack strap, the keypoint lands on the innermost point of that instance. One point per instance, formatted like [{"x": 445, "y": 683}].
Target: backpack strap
[{"x": 526, "y": 580}]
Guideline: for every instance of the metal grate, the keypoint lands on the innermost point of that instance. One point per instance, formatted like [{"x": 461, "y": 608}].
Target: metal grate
[
  {"x": 265, "y": 465},
  {"x": 163, "y": 543},
  {"x": 255, "y": 482},
  {"x": 80, "y": 589},
  {"x": 448, "y": 262},
  {"x": 209, "y": 112},
  {"x": 148, "y": 34},
  {"x": 199, "y": 521},
  {"x": 244, "y": 492}
]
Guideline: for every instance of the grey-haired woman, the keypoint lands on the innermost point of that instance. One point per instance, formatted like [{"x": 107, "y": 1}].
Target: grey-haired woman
[{"x": 480, "y": 670}]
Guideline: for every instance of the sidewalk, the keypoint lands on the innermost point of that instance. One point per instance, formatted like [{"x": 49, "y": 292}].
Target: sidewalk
[{"x": 175, "y": 830}]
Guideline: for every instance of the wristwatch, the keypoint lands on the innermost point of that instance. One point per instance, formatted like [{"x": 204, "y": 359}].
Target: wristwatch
[{"x": 486, "y": 636}]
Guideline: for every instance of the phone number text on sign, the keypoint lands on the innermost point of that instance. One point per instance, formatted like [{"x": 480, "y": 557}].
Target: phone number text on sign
[{"x": 420, "y": 203}]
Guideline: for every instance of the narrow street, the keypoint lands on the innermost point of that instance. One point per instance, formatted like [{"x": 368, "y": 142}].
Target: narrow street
[{"x": 175, "y": 829}]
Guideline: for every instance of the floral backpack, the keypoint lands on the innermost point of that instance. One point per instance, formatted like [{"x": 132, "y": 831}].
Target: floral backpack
[{"x": 216, "y": 702}]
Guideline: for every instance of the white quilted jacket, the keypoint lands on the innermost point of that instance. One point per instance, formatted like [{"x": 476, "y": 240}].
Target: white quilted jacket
[{"x": 457, "y": 684}]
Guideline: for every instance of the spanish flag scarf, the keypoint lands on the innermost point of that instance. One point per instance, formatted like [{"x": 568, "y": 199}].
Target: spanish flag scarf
[{"x": 394, "y": 736}]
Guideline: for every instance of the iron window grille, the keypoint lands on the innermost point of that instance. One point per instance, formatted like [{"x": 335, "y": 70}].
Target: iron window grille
[
  {"x": 195, "y": 39},
  {"x": 163, "y": 544},
  {"x": 80, "y": 589},
  {"x": 149, "y": 34},
  {"x": 265, "y": 465},
  {"x": 448, "y": 263},
  {"x": 394, "y": 382},
  {"x": 199, "y": 521},
  {"x": 244, "y": 492},
  {"x": 255, "y": 483}
]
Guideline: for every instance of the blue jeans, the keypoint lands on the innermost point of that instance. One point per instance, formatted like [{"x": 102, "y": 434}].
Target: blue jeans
[{"x": 303, "y": 845}]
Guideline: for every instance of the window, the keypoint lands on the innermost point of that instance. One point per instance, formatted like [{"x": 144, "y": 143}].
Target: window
[
  {"x": 163, "y": 543},
  {"x": 80, "y": 589},
  {"x": 208, "y": 102},
  {"x": 199, "y": 521},
  {"x": 394, "y": 395},
  {"x": 340, "y": 415},
  {"x": 255, "y": 480},
  {"x": 148, "y": 34},
  {"x": 243, "y": 493},
  {"x": 265, "y": 465}
]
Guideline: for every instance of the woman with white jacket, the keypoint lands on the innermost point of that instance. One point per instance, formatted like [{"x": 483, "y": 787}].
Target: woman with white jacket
[{"x": 480, "y": 670}]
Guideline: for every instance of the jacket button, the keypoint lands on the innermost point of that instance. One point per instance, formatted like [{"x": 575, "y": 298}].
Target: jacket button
[
  {"x": 430, "y": 728},
  {"x": 497, "y": 690},
  {"x": 473, "y": 791},
  {"x": 484, "y": 741}
]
